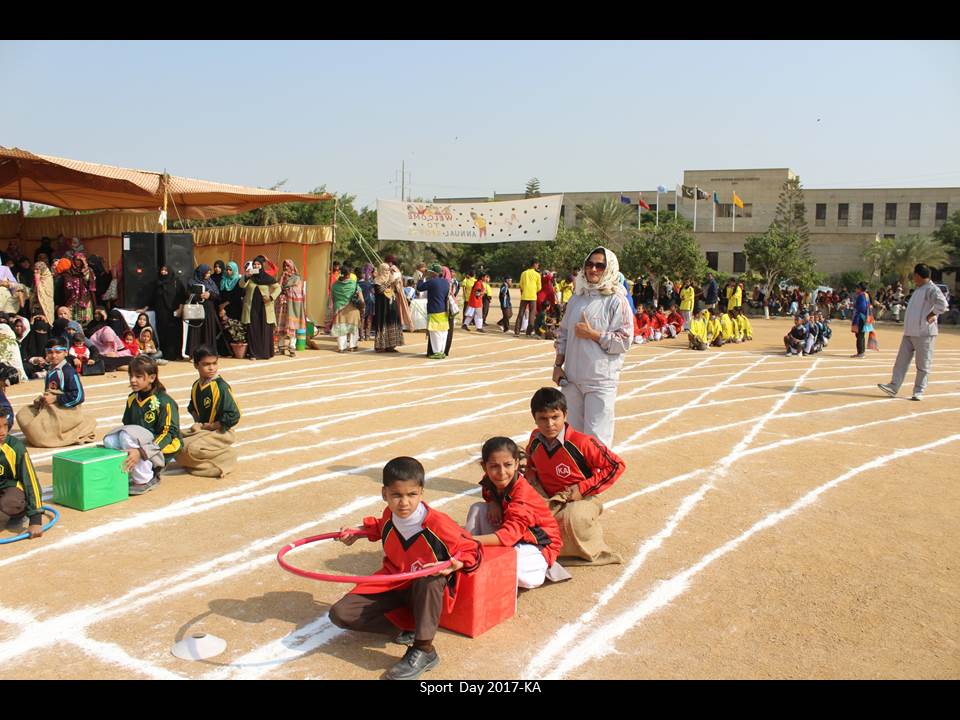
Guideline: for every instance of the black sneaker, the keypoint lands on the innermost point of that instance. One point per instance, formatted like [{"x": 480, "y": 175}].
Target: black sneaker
[
  {"x": 145, "y": 487},
  {"x": 405, "y": 638},
  {"x": 413, "y": 664}
]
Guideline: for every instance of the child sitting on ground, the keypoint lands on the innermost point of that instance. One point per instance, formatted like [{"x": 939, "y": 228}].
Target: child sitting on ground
[
  {"x": 715, "y": 331},
  {"x": 207, "y": 443},
  {"x": 147, "y": 345},
  {"x": 697, "y": 337},
  {"x": 151, "y": 427},
  {"x": 571, "y": 469},
  {"x": 55, "y": 419},
  {"x": 674, "y": 322},
  {"x": 79, "y": 353},
  {"x": 744, "y": 328},
  {"x": 514, "y": 514},
  {"x": 20, "y": 493},
  {"x": 642, "y": 327},
  {"x": 731, "y": 333},
  {"x": 414, "y": 535},
  {"x": 795, "y": 340},
  {"x": 659, "y": 323},
  {"x": 130, "y": 343}
]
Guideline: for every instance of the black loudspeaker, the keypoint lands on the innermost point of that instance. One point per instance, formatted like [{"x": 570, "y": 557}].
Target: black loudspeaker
[
  {"x": 140, "y": 269},
  {"x": 176, "y": 252}
]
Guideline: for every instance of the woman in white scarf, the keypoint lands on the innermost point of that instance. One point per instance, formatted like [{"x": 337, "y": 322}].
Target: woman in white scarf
[{"x": 595, "y": 333}]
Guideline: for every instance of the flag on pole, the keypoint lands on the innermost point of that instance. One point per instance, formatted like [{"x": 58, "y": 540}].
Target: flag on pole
[
  {"x": 661, "y": 188},
  {"x": 687, "y": 191},
  {"x": 702, "y": 194},
  {"x": 642, "y": 203},
  {"x": 624, "y": 199},
  {"x": 716, "y": 198},
  {"x": 737, "y": 201}
]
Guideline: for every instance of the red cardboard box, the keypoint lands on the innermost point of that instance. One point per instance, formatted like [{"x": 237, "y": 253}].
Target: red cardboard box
[{"x": 485, "y": 598}]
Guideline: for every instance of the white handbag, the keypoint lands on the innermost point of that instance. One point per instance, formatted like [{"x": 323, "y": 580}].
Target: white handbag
[{"x": 193, "y": 311}]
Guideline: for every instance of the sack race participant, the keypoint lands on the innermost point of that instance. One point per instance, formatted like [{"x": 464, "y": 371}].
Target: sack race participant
[
  {"x": 55, "y": 419},
  {"x": 207, "y": 444}
]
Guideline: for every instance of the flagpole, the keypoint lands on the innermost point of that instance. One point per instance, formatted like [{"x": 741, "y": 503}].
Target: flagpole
[
  {"x": 658, "y": 206},
  {"x": 696, "y": 196},
  {"x": 676, "y": 201},
  {"x": 714, "y": 226},
  {"x": 639, "y": 210},
  {"x": 733, "y": 207}
]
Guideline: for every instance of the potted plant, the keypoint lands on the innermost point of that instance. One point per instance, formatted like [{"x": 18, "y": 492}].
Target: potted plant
[{"x": 237, "y": 337}]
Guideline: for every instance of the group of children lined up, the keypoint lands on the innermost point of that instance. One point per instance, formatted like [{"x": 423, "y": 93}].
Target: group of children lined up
[
  {"x": 705, "y": 329},
  {"x": 150, "y": 435},
  {"x": 810, "y": 334},
  {"x": 547, "y": 510}
]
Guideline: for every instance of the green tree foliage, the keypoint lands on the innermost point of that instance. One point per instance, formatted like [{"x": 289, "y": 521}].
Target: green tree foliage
[
  {"x": 949, "y": 233},
  {"x": 667, "y": 251},
  {"x": 533, "y": 188},
  {"x": 780, "y": 255},
  {"x": 9, "y": 207},
  {"x": 609, "y": 221},
  {"x": 791, "y": 214},
  {"x": 849, "y": 279},
  {"x": 649, "y": 217},
  {"x": 899, "y": 255}
]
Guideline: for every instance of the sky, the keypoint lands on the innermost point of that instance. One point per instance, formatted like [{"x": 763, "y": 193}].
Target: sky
[{"x": 470, "y": 118}]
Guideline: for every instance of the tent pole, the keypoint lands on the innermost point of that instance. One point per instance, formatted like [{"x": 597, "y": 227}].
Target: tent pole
[{"x": 164, "y": 179}]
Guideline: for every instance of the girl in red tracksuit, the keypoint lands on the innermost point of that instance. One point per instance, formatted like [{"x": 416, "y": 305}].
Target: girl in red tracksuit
[
  {"x": 474, "y": 307},
  {"x": 674, "y": 324},
  {"x": 642, "y": 326},
  {"x": 514, "y": 514}
]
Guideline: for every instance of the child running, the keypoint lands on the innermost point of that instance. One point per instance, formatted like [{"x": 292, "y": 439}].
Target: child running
[
  {"x": 414, "y": 535},
  {"x": 20, "y": 493},
  {"x": 514, "y": 515},
  {"x": 207, "y": 450},
  {"x": 571, "y": 469},
  {"x": 55, "y": 419},
  {"x": 151, "y": 427}
]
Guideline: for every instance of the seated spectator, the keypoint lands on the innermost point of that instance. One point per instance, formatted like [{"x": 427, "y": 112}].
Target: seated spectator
[{"x": 795, "y": 340}]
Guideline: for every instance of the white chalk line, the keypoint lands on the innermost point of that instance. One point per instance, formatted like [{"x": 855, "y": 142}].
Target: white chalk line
[
  {"x": 569, "y": 632},
  {"x": 601, "y": 641}
]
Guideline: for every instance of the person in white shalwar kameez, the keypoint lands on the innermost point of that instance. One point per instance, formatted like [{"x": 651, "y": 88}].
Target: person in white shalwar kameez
[{"x": 595, "y": 333}]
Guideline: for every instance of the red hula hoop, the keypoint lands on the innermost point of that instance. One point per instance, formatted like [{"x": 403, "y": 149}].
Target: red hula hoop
[{"x": 356, "y": 579}]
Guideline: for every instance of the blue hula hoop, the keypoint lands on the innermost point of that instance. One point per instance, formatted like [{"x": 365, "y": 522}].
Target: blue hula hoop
[{"x": 25, "y": 535}]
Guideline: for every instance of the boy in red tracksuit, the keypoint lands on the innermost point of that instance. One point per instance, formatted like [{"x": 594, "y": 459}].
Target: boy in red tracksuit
[
  {"x": 513, "y": 514},
  {"x": 571, "y": 469},
  {"x": 642, "y": 326},
  {"x": 414, "y": 536},
  {"x": 659, "y": 322},
  {"x": 674, "y": 324}
]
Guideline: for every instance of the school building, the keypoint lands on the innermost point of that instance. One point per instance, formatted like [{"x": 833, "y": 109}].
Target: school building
[{"x": 842, "y": 222}]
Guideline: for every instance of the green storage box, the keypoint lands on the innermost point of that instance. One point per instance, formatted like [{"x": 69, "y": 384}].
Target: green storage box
[{"x": 89, "y": 477}]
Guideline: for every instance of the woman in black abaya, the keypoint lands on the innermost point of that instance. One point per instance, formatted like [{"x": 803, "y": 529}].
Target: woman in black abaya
[{"x": 206, "y": 292}]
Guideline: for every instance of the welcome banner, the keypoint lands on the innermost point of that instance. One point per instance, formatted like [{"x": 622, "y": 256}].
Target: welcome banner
[{"x": 480, "y": 222}]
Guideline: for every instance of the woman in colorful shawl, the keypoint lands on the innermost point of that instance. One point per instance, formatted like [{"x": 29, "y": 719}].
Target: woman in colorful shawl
[
  {"x": 9, "y": 299},
  {"x": 206, "y": 293},
  {"x": 230, "y": 292},
  {"x": 79, "y": 287},
  {"x": 170, "y": 295},
  {"x": 387, "y": 322},
  {"x": 346, "y": 315},
  {"x": 289, "y": 308},
  {"x": 260, "y": 289},
  {"x": 41, "y": 297}
]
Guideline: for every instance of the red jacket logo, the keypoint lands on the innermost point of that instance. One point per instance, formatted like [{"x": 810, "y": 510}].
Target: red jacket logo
[{"x": 563, "y": 471}]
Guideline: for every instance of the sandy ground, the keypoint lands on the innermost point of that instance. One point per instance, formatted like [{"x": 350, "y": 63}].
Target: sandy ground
[{"x": 779, "y": 517}]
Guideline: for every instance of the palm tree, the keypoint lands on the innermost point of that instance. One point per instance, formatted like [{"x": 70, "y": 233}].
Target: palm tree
[
  {"x": 607, "y": 219},
  {"x": 902, "y": 254}
]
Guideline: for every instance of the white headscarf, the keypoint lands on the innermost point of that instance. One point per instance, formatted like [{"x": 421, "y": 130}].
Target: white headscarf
[{"x": 610, "y": 280}]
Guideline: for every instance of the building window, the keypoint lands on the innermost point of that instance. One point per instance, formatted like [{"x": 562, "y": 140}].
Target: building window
[
  {"x": 889, "y": 236},
  {"x": 843, "y": 214},
  {"x": 746, "y": 211},
  {"x": 725, "y": 210},
  {"x": 653, "y": 207},
  {"x": 713, "y": 260},
  {"x": 914, "y": 214},
  {"x": 941, "y": 216},
  {"x": 671, "y": 207},
  {"x": 890, "y": 219},
  {"x": 821, "y": 216},
  {"x": 867, "y": 217},
  {"x": 739, "y": 262}
]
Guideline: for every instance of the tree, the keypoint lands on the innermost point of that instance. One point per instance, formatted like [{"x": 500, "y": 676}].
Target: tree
[
  {"x": 608, "y": 220},
  {"x": 780, "y": 255},
  {"x": 949, "y": 233},
  {"x": 790, "y": 215},
  {"x": 670, "y": 250},
  {"x": 9, "y": 207},
  {"x": 533, "y": 188},
  {"x": 899, "y": 255},
  {"x": 649, "y": 217}
]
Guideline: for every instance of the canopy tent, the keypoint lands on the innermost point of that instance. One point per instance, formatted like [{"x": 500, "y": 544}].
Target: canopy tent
[{"x": 77, "y": 185}]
